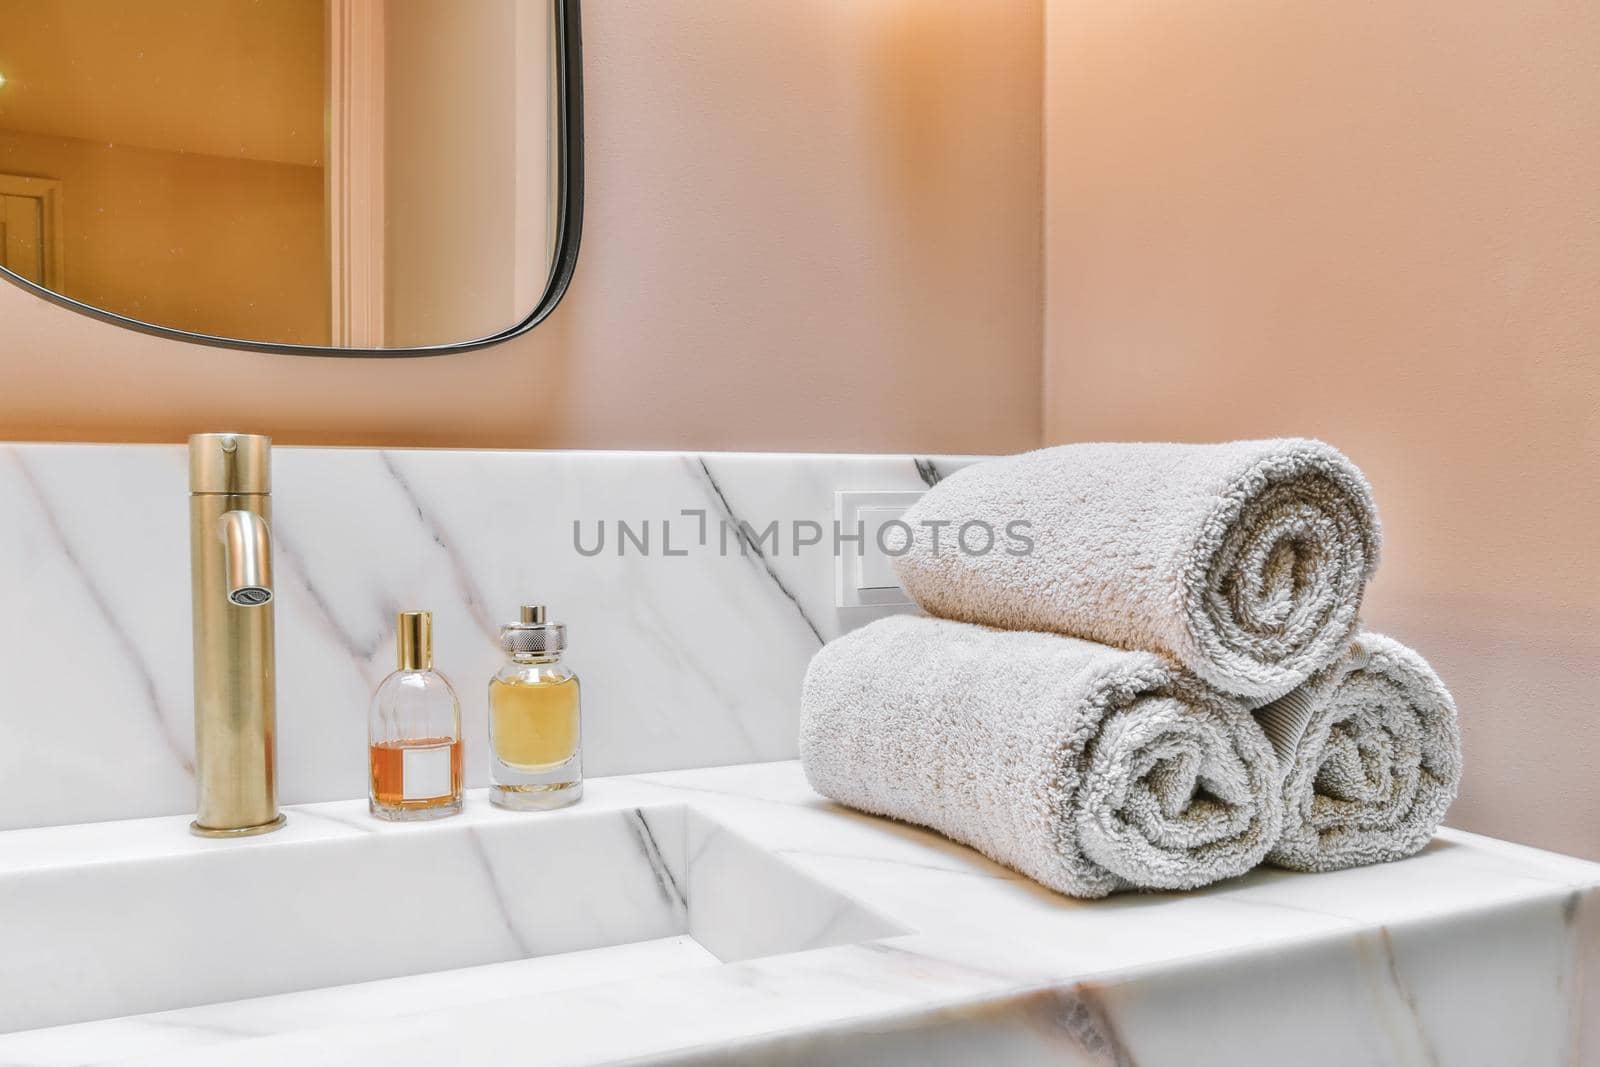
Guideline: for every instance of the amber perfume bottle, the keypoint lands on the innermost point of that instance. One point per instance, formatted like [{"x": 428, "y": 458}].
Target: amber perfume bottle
[
  {"x": 414, "y": 732},
  {"x": 535, "y": 728}
]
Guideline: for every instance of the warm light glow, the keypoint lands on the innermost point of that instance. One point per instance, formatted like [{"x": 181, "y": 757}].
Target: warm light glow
[{"x": 2, "y": 81}]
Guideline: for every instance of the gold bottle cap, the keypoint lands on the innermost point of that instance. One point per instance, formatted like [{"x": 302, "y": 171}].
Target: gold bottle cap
[{"x": 414, "y": 640}]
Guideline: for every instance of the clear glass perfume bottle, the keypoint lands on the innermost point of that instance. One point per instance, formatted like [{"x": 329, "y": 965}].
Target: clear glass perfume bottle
[
  {"x": 535, "y": 733},
  {"x": 414, "y": 732}
]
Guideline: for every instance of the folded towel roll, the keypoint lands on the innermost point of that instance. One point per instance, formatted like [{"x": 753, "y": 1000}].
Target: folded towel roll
[
  {"x": 1086, "y": 768},
  {"x": 1244, "y": 561},
  {"x": 1371, "y": 754}
]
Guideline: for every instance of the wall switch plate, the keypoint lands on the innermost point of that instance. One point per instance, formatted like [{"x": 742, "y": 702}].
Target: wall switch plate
[{"x": 863, "y": 572}]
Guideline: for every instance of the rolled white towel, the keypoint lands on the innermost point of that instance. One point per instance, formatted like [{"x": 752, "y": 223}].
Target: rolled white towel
[
  {"x": 1244, "y": 561},
  {"x": 1086, "y": 768},
  {"x": 1371, "y": 756}
]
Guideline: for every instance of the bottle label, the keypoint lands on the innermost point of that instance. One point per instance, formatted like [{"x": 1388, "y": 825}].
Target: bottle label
[{"x": 425, "y": 772}]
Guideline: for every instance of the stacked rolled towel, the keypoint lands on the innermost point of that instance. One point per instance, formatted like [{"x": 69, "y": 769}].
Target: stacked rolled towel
[
  {"x": 1082, "y": 710},
  {"x": 1371, "y": 757},
  {"x": 1089, "y": 769},
  {"x": 1243, "y": 561}
]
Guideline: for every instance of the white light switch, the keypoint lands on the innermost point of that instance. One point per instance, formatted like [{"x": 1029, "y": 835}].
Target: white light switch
[
  {"x": 873, "y": 569},
  {"x": 863, "y": 571}
]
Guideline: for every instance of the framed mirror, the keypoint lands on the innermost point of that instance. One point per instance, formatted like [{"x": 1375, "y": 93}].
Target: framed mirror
[{"x": 324, "y": 177}]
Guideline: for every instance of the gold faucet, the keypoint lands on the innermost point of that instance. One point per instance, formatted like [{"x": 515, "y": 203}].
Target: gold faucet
[{"x": 230, "y": 554}]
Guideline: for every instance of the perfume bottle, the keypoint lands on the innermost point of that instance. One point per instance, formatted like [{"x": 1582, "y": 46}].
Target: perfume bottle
[
  {"x": 534, "y": 725},
  {"x": 414, "y": 732}
]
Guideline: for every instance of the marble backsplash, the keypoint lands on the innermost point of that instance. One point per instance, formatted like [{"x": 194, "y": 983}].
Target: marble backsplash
[{"x": 690, "y": 645}]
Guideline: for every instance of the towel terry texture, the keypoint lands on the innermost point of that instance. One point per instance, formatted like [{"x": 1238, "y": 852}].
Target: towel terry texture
[
  {"x": 1244, "y": 561},
  {"x": 1371, "y": 757},
  {"x": 1087, "y": 768}
]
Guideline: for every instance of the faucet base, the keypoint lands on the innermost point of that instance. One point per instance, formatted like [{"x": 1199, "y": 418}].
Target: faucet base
[{"x": 241, "y": 831}]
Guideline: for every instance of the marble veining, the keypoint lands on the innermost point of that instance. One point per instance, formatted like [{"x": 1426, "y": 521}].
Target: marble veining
[
  {"x": 756, "y": 553},
  {"x": 329, "y": 903},
  {"x": 499, "y": 895},
  {"x": 719, "y": 915},
  {"x": 929, "y": 471},
  {"x": 143, "y": 682},
  {"x": 666, "y": 880},
  {"x": 822, "y": 936},
  {"x": 688, "y": 659}
]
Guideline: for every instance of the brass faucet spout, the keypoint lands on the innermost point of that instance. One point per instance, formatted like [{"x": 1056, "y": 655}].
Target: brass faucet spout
[
  {"x": 235, "y": 715},
  {"x": 246, "y": 557}
]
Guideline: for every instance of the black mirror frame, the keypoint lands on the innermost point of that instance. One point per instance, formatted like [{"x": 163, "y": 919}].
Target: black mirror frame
[{"x": 569, "y": 192}]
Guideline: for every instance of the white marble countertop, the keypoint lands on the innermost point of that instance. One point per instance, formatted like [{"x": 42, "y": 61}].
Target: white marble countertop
[{"x": 1475, "y": 951}]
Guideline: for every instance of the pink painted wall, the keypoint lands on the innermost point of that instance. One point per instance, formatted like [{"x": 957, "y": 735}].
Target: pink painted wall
[
  {"x": 1378, "y": 224},
  {"x": 810, "y": 225}
]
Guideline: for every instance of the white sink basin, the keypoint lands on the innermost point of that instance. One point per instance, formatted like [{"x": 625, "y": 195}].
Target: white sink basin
[
  {"x": 598, "y": 935},
  {"x": 483, "y": 906}
]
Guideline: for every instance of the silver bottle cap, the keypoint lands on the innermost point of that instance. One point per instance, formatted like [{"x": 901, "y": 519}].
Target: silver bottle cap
[{"x": 533, "y": 635}]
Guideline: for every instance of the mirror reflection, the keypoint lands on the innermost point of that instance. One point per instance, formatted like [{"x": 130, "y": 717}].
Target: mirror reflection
[{"x": 353, "y": 173}]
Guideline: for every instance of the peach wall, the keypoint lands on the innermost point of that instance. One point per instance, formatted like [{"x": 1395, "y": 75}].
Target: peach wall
[
  {"x": 1377, "y": 224},
  {"x": 811, "y": 224},
  {"x": 815, "y": 224}
]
